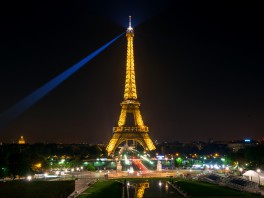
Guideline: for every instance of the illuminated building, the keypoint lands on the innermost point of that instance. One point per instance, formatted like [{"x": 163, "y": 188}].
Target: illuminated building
[
  {"x": 241, "y": 144},
  {"x": 21, "y": 140},
  {"x": 130, "y": 105}
]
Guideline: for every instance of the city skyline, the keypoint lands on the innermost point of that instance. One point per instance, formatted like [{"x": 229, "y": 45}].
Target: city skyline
[{"x": 198, "y": 70}]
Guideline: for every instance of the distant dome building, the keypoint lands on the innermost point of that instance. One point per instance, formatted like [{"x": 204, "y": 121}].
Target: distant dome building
[{"x": 21, "y": 140}]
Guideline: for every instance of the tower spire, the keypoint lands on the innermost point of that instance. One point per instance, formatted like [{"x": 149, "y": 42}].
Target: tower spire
[
  {"x": 130, "y": 83},
  {"x": 129, "y": 22}
]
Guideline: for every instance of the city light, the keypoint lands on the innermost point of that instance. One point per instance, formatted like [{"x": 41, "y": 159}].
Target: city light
[
  {"x": 62, "y": 161},
  {"x": 126, "y": 160},
  {"x": 166, "y": 187},
  {"x": 145, "y": 158},
  {"x": 29, "y": 178},
  {"x": 130, "y": 170},
  {"x": 160, "y": 157}
]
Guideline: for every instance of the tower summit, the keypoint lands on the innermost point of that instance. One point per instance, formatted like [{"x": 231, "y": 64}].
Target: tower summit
[
  {"x": 129, "y": 25},
  {"x": 130, "y": 105}
]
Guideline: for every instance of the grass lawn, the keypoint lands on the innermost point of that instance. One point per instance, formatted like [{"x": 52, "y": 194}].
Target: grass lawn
[
  {"x": 33, "y": 189},
  {"x": 109, "y": 189},
  {"x": 202, "y": 189}
]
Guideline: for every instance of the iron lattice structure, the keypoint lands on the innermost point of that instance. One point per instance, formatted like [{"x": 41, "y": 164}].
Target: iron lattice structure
[{"x": 139, "y": 132}]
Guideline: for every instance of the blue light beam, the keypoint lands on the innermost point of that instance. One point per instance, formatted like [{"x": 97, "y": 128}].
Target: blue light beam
[{"x": 34, "y": 97}]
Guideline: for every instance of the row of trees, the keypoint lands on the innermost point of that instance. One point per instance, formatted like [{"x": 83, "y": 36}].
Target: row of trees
[
  {"x": 250, "y": 157},
  {"x": 20, "y": 160}
]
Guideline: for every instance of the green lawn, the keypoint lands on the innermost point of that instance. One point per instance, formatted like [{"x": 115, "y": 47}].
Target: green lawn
[
  {"x": 202, "y": 189},
  {"x": 39, "y": 189},
  {"x": 110, "y": 188}
]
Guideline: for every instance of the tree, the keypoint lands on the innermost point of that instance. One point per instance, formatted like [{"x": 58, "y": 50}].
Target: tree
[
  {"x": 90, "y": 167},
  {"x": 3, "y": 164},
  {"x": 19, "y": 164}
]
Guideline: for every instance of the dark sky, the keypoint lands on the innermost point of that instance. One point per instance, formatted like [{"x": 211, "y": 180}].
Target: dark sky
[{"x": 199, "y": 68}]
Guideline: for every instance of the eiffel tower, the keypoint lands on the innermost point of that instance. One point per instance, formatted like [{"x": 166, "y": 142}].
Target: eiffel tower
[{"x": 130, "y": 105}]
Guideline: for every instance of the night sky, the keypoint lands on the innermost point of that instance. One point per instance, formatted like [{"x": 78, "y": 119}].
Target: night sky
[{"x": 199, "y": 68}]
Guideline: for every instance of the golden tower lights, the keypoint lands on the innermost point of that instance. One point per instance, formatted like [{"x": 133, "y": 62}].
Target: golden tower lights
[{"x": 130, "y": 104}]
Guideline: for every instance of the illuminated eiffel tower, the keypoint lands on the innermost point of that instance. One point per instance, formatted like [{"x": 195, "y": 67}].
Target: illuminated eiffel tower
[{"x": 130, "y": 105}]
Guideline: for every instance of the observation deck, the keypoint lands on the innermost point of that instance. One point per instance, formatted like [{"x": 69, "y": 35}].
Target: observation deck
[{"x": 131, "y": 129}]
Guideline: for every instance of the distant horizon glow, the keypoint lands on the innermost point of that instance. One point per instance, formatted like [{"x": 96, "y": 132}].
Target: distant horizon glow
[{"x": 34, "y": 97}]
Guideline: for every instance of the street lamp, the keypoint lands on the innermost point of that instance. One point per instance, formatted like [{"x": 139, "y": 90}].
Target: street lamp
[
  {"x": 227, "y": 170},
  {"x": 240, "y": 170},
  {"x": 258, "y": 171},
  {"x": 81, "y": 170},
  {"x": 29, "y": 178},
  {"x": 45, "y": 175},
  {"x": 72, "y": 170},
  {"x": 116, "y": 159}
]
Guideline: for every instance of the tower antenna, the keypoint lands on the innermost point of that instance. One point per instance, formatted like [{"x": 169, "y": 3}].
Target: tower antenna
[
  {"x": 130, "y": 22},
  {"x": 129, "y": 29}
]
